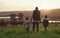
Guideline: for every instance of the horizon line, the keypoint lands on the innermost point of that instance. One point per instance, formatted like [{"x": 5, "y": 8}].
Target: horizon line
[{"x": 27, "y": 10}]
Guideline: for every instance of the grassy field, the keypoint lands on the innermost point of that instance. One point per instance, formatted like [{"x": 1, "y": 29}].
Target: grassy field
[{"x": 18, "y": 32}]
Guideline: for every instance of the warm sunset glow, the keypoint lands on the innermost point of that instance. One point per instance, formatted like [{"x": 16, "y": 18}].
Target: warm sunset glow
[{"x": 18, "y": 5}]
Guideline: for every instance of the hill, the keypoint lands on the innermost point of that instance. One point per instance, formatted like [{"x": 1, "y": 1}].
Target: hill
[{"x": 51, "y": 12}]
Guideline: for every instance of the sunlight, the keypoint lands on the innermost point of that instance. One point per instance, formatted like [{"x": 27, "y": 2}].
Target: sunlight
[
  {"x": 28, "y": 4},
  {"x": 45, "y": 6}
]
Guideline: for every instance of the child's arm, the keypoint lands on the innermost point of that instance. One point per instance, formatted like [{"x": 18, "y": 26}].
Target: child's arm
[
  {"x": 24, "y": 24},
  {"x": 48, "y": 22}
]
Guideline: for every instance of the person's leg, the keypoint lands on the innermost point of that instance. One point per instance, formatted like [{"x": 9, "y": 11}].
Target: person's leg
[
  {"x": 45, "y": 28},
  {"x": 28, "y": 29},
  {"x": 33, "y": 26},
  {"x": 37, "y": 26}
]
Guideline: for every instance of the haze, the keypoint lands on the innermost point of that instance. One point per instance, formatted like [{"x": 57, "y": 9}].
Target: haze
[{"x": 25, "y": 5}]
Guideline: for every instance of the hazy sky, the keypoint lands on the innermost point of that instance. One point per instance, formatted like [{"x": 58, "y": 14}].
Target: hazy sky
[{"x": 18, "y": 5}]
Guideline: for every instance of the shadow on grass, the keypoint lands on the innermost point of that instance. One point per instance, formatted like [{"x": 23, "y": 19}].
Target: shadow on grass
[{"x": 57, "y": 31}]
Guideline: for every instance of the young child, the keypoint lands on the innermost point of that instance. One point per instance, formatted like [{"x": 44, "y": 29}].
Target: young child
[
  {"x": 27, "y": 24},
  {"x": 45, "y": 23}
]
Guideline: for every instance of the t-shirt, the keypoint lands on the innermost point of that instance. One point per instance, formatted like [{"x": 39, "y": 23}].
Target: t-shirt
[
  {"x": 45, "y": 22},
  {"x": 27, "y": 23},
  {"x": 36, "y": 15}
]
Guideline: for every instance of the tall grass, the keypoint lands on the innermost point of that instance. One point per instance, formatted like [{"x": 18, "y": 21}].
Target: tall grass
[{"x": 18, "y": 32}]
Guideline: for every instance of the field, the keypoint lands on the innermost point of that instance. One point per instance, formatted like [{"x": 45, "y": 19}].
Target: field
[{"x": 53, "y": 31}]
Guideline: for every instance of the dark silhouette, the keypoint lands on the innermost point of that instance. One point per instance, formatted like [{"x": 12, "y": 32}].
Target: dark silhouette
[
  {"x": 45, "y": 23},
  {"x": 27, "y": 24},
  {"x": 36, "y": 19}
]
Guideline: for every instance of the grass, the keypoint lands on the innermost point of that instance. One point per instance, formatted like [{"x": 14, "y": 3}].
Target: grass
[{"x": 18, "y": 32}]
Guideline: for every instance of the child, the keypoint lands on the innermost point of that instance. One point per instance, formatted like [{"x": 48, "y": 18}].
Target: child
[
  {"x": 45, "y": 23},
  {"x": 27, "y": 24}
]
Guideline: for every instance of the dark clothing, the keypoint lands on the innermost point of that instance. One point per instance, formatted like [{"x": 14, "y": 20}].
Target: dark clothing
[
  {"x": 45, "y": 23},
  {"x": 36, "y": 24},
  {"x": 36, "y": 17}
]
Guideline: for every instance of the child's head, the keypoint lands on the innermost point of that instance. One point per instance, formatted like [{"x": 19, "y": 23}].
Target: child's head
[
  {"x": 45, "y": 16},
  {"x": 27, "y": 18}
]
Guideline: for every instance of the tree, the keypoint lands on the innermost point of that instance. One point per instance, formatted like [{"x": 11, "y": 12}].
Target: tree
[
  {"x": 20, "y": 15},
  {"x": 13, "y": 18}
]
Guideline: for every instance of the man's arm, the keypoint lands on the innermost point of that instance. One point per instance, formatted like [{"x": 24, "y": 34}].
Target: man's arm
[
  {"x": 40, "y": 16},
  {"x": 32, "y": 16}
]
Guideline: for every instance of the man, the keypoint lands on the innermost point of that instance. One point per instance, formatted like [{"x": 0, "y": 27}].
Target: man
[{"x": 36, "y": 19}]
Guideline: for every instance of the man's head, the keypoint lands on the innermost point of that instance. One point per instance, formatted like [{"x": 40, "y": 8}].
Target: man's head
[{"x": 36, "y": 8}]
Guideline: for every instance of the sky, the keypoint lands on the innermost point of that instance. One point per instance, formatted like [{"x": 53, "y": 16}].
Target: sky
[{"x": 24, "y": 5}]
